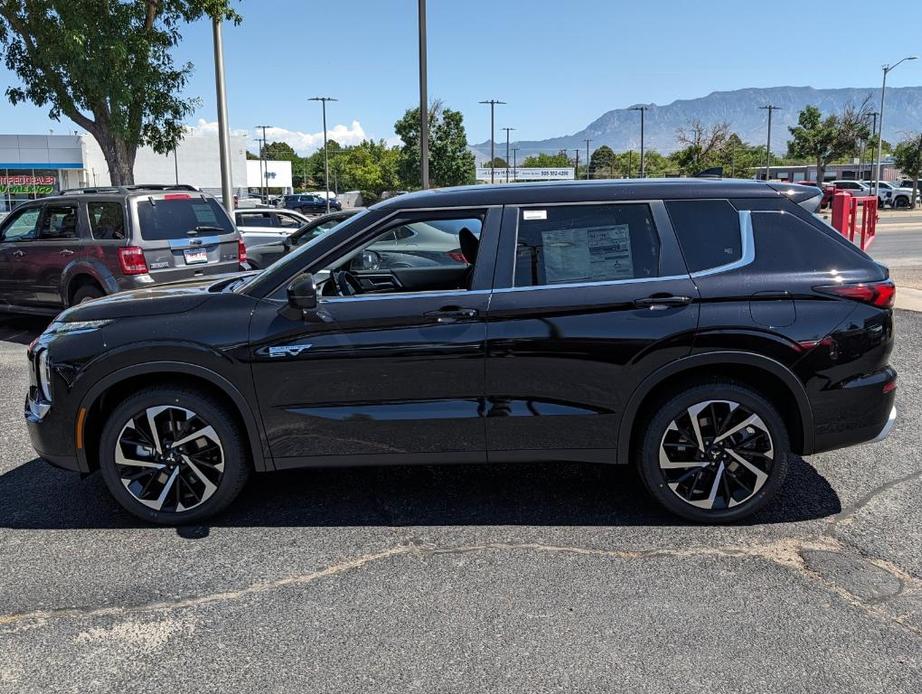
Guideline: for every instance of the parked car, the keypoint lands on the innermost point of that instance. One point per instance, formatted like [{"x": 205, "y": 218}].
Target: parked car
[
  {"x": 65, "y": 249},
  {"x": 267, "y": 225},
  {"x": 264, "y": 255},
  {"x": 703, "y": 330},
  {"x": 309, "y": 203},
  {"x": 897, "y": 195},
  {"x": 862, "y": 189}
]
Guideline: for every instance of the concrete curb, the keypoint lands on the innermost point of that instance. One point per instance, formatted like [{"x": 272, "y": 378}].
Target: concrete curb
[{"x": 908, "y": 298}]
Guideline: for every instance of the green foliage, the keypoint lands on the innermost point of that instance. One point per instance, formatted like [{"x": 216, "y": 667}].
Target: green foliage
[
  {"x": 602, "y": 163},
  {"x": 824, "y": 140},
  {"x": 370, "y": 167},
  {"x": 451, "y": 163},
  {"x": 498, "y": 163},
  {"x": 547, "y": 161},
  {"x": 106, "y": 65},
  {"x": 280, "y": 151},
  {"x": 908, "y": 157}
]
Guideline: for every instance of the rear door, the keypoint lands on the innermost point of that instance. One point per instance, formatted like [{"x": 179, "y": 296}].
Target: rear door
[
  {"x": 184, "y": 235},
  {"x": 59, "y": 243},
  {"x": 589, "y": 299}
]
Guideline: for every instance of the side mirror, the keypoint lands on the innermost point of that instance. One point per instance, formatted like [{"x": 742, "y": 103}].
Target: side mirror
[{"x": 302, "y": 292}]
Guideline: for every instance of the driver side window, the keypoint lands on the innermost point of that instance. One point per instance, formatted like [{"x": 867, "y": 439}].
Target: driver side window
[
  {"x": 24, "y": 225},
  {"x": 426, "y": 254}
]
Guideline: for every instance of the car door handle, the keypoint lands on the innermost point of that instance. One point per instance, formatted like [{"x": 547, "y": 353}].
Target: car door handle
[
  {"x": 18, "y": 253},
  {"x": 65, "y": 252},
  {"x": 453, "y": 314},
  {"x": 660, "y": 302}
]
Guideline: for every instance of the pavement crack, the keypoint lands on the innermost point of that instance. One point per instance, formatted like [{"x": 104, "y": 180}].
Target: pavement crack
[{"x": 846, "y": 515}]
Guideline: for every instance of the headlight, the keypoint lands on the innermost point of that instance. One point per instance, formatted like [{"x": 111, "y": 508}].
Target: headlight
[
  {"x": 44, "y": 374},
  {"x": 81, "y": 326}
]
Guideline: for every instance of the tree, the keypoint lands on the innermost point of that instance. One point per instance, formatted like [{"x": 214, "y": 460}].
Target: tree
[
  {"x": 547, "y": 161},
  {"x": 280, "y": 151},
  {"x": 823, "y": 140},
  {"x": 451, "y": 163},
  {"x": 107, "y": 66},
  {"x": 498, "y": 162},
  {"x": 602, "y": 163},
  {"x": 702, "y": 145},
  {"x": 908, "y": 157},
  {"x": 370, "y": 167}
]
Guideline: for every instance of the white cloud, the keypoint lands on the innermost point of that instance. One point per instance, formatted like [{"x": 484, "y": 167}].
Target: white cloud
[{"x": 301, "y": 142}]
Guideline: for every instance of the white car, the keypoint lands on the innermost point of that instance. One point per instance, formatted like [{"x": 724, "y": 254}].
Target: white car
[
  {"x": 862, "y": 189},
  {"x": 267, "y": 224},
  {"x": 897, "y": 195}
]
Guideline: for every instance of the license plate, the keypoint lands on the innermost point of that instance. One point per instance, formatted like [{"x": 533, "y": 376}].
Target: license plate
[{"x": 196, "y": 255}]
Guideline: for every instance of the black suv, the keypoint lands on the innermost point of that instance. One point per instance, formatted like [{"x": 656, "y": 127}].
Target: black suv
[
  {"x": 60, "y": 251},
  {"x": 702, "y": 330},
  {"x": 309, "y": 203}
]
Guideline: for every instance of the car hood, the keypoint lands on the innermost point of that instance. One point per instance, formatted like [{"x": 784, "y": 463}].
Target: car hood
[{"x": 158, "y": 299}]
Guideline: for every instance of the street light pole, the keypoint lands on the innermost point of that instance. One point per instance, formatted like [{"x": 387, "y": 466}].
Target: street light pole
[
  {"x": 493, "y": 103},
  {"x": 326, "y": 156},
  {"x": 643, "y": 160},
  {"x": 768, "y": 144},
  {"x": 587, "y": 157},
  {"x": 263, "y": 166},
  {"x": 576, "y": 170},
  {"x": 227, "y": 194},
  {"x": 880, "y": 130},
  {"x": 423, "y": 100},
  {"x": 515, "y": 165},
  {"x": 507, "y": 151}
]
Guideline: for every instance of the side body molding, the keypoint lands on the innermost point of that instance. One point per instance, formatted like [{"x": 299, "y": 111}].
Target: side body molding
[{"x": 685, "y": 364}]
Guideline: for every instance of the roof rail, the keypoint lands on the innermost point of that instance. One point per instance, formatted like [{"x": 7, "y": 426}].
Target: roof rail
[{"x": 130, "y": 188}]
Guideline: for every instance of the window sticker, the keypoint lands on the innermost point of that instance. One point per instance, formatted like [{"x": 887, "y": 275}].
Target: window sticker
[
  {"x": 587, "y": 254},
  {"x": 533, "y": 215}
]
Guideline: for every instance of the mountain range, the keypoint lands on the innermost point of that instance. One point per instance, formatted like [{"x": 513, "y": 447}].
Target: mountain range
[{"x": 620, "y": 128}]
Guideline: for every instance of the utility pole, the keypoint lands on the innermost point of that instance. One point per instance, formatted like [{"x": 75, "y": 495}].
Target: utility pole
[
  {"x": 576, "y": 170},
  {"x": 768, "y": 144},
  {"x": 587, "y": 157},
  {"x": 423, "y": 100},
  {"x": 507, "y": 151},
  {"x": 880, "y": 139},
  {"x": 873, "y": 115},
  {"x": 630, "y": 162},
  {"x": 643, "y": 164},
  {"x": 326, "y": 156},
  {"x": 227, "y": 193},
  {"x": 515, "y": 166},
  {"x": 175, "y": 166},
  {"x": 259, "y": 145},
  {"x": 264, "y": 166},
  {"x": 493, "y": 103}
]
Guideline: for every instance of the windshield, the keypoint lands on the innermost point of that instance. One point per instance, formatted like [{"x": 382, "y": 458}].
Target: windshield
[{"x": 181, "y": 216}]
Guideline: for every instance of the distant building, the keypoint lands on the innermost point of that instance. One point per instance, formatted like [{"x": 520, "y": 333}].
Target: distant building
[
  {"x": 849, "y": 172},
  {"x": 33, "y": 166}
]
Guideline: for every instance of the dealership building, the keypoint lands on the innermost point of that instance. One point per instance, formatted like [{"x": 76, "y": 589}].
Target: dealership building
[{"x": 33, "y": 166}]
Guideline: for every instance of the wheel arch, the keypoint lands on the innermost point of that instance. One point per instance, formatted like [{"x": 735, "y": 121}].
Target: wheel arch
[
  {"x": 120, "y": 383},
  {"x": 765, "y": 375},
  {"x": 82, "y": 271}
]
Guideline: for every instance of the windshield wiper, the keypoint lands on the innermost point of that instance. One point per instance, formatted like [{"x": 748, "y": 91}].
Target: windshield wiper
[{"x": 205, "y": 227}]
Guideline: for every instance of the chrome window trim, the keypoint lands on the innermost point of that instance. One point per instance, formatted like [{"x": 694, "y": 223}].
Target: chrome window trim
[
  {"x": 402, "y": 295},
  {"x": 747, "y": 249},
  {"x": 583, "y": 285},
  {"x": 518, "y": 220}
]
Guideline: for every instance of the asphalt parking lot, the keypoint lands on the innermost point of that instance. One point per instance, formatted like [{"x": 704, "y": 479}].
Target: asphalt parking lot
[{"x": 466, "y": 578}]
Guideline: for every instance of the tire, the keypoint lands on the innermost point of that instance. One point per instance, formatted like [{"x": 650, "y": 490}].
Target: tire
[
  {"x": 690, "y": 491},
  {"x": 87, "y": 292},
  {"x": 901, "y": 203},
  {"x": 219, "y": 456}
]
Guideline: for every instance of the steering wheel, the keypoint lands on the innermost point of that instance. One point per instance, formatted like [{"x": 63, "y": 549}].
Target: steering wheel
[{"x": 346, "y": 283}]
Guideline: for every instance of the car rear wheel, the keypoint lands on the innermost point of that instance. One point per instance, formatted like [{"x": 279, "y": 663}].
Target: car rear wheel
[
  {"x": 715, "y": 453},
  {"x": 901, "y": 203},
  {"x": 87, "y": 292},
  {"x": 172, "y": 455}
]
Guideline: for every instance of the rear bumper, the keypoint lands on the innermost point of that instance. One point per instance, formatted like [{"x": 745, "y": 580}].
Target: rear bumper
[
  {"x": 888, "y": 427},
  {"x": 856, "y": 411}
]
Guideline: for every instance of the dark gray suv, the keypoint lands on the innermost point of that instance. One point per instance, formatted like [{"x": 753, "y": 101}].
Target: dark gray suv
[{"x": 83, "y": 244}]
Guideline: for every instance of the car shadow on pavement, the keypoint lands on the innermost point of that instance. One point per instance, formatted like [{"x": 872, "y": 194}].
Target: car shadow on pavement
[
  {"x": 35, "y": 495},
  {"x": 21, "y": 329}
]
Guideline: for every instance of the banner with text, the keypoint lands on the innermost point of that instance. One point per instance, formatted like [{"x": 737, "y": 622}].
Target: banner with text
[{"x": 525, "y": 174}]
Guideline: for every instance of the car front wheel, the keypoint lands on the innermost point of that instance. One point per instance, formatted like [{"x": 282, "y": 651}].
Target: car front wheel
[
  {"x": 173, "y": 455},
  {"x": 715, "y": 453}
]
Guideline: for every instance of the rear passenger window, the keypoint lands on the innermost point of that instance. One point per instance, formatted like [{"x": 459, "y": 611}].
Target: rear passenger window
[
  {"x": 107, "y": 221},
  {"x": 708, "y": 231},
  {"x": 565, "y": 244},
  {"x": 59, "y": 222}
]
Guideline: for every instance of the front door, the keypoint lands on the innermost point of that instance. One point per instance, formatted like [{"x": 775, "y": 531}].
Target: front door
[
  {"x": 19, "y": 234},
  {"x": 589, "y": 299},
  {"x": 58, "y": 245},
  {"x": 393, "y": 372}
]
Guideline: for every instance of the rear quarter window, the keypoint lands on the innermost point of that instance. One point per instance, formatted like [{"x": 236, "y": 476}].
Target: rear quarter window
[
  {"x": 173, "y": 218},
  {"x": 708, "y": 232}
]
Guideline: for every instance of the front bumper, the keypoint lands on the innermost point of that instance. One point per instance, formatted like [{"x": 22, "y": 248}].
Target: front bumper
[{"x": 51, "y": 437}]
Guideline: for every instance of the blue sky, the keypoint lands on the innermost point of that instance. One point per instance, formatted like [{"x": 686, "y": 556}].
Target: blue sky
[{"x": 558, "y": 63}]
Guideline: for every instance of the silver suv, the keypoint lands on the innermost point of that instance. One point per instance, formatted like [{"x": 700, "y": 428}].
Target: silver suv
[{"x": 83, "y": 244}]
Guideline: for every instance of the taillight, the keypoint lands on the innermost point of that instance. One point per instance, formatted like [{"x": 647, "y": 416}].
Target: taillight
[
  {"x": 241, "y": 251},
  {"x": 457, "y": 256},
  {"x": 131, "y": 261},
  {"x": 880, "y": 294}
]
